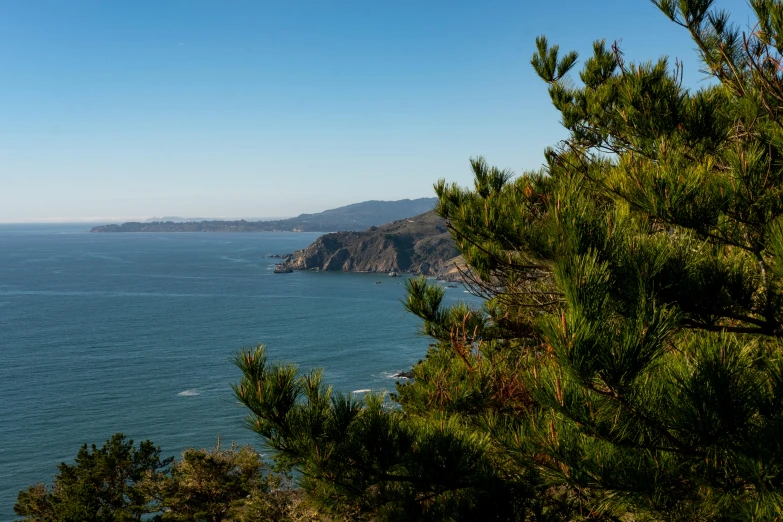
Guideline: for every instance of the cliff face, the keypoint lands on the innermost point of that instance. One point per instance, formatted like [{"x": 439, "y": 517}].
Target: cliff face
[{"x": 419, "y": 245}]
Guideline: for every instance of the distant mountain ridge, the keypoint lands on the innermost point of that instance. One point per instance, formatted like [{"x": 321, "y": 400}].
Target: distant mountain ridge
[
  {"x": 357, "y": 216},
  {"x": 178, "y": 219},
  {"x": 420, "y": 245}
]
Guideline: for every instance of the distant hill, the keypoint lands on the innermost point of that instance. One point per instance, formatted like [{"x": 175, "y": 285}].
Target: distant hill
[
  {"x": 420, "y": 245},
  {"x": 358, "y": 216},
  {"x": 177, "y": 219}
]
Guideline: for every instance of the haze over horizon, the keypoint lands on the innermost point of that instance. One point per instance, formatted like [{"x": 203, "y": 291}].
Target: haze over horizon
[
  {"x": 98, "y": 220},
  {"x": 116, "y": 112}
]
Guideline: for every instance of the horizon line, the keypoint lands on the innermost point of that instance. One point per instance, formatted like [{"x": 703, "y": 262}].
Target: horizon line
[{"x": 128, "y": 219}]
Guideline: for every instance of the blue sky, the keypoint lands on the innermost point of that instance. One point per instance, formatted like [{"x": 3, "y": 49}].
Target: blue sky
[{"x": 252, "y": 108}]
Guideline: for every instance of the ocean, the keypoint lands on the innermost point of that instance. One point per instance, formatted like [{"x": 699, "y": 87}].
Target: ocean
[{"x": 134, "y": 333}]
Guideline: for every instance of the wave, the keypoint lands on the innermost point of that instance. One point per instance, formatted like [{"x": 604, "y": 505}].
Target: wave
[
  {"x": 107, "y": 257},
  {"x": 365, "y": 390},
  {"x": 188, "y": 393},
  {"x": 235, "y": 259},
  {"x": 394, "y": 375}
]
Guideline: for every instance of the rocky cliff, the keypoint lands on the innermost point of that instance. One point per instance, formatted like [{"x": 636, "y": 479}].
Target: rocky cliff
[{"x": 419, "y": 245}]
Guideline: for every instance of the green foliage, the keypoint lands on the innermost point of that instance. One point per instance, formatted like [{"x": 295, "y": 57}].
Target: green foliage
[
  {"x": 212, "y": 485},
  {"x": 363, "y": 458},
  {"x": 120, "y": 482},
  {"x": 104, "y": 484},
  {"x": 627, "y": 364},
  {"x": 229, "y": 485}
]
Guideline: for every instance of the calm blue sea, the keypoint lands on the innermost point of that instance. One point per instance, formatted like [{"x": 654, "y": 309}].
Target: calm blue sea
[{"x": 101, "y": 333}]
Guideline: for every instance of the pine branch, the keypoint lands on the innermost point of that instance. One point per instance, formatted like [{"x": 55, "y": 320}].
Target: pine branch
[{"x": 769, "y": 331}]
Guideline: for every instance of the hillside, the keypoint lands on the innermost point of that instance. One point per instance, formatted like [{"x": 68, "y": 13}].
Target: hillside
[
  {"x": 419, "y": 245},
  {"x": 357, "y": 216}
]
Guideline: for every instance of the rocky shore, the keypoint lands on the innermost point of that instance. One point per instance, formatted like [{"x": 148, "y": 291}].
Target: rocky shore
[{"x": 418, "y": 245}]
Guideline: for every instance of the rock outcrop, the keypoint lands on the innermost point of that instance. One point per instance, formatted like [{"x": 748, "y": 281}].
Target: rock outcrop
[{"x": 418, "y": 245}]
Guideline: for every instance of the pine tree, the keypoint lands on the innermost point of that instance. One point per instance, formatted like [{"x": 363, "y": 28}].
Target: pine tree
[
  {"x": 627, "y": 364},
  {"x": 104, "y": 484},
  {"x": 212, "y": 485},
  {"x": 120, "y": 482}
]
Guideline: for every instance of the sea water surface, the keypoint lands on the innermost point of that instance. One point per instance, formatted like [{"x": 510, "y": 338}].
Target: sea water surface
[{"x": 134, "y": 333}]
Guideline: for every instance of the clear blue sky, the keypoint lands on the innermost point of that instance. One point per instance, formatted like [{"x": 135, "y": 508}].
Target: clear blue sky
[{"x": 129, "y": 109}]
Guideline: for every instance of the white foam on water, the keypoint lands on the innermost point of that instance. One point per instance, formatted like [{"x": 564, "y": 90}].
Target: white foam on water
[
  {"x": 188, "y": 393},
  {"x": 366, "y": 390},
  {"x": 393, "y": 375}
]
